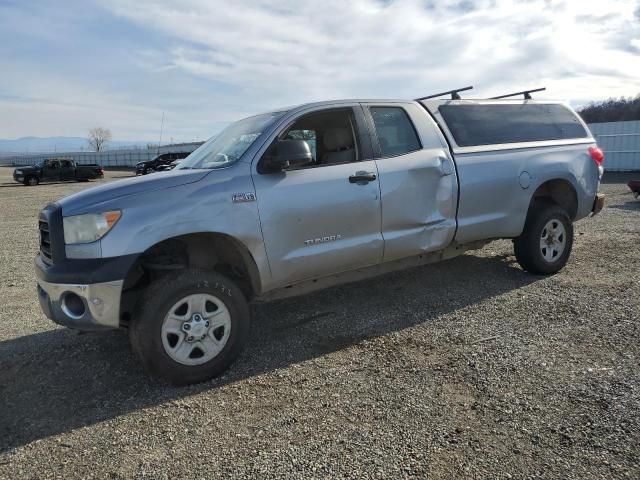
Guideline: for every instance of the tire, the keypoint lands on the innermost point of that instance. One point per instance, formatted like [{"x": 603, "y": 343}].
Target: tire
[
  {"x": 545, "y": 245},
  {"x": 181, "y": 294},
  {"x": 31, "y": 181}
]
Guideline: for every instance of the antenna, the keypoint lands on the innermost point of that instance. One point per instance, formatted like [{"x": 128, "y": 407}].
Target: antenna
[
  {"x": 454, "y": 94},
  {"x": 526, "y": 93}
]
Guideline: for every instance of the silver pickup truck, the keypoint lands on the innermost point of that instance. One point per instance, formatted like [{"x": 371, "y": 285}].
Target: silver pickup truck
[{"x": 303, "y": 198}]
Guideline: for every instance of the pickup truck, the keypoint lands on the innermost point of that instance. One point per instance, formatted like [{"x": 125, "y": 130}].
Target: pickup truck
[
  {"x": 57, "y": 170},
  {"x": 298, "y": 199}
]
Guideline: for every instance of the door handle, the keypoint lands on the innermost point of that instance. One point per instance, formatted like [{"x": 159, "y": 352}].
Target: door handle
[{"x": 362, "y": 177}]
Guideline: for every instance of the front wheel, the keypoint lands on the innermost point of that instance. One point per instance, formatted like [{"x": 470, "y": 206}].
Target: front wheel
[
  {"x": 31, "y": 181},
  {"x": 545, "y": 244},
  {"x": 190, "y": 326}
]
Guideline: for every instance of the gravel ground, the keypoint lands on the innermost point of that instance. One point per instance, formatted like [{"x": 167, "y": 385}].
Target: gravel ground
[{"x": 467, "y": 368}]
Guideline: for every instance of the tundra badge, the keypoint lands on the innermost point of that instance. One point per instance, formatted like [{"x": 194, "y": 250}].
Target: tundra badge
[{"x": 328, "y": 238}]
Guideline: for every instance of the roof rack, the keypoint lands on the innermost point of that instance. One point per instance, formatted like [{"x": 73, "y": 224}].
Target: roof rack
[
  {"x": 526, "y": 93},
  {"x": 454, "y": 94}
]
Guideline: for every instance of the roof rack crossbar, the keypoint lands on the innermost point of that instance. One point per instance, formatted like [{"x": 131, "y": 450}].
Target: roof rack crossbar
[
  {"x": 526, "y": 93},
  {"x": 454, "y": 94}
]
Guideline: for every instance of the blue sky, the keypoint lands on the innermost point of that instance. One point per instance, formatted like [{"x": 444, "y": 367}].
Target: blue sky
[{"x": 71, "y": 65}]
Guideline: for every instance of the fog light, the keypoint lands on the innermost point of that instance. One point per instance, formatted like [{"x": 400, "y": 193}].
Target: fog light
[{"x": 72, "y": 305}]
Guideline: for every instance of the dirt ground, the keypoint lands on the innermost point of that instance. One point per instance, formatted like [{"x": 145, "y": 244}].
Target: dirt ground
[{"x": 470, "y": 368}]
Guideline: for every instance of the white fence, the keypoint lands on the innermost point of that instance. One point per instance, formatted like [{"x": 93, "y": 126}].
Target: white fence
[
  {"x": 620, "y": 142},
  {"x": 108, "y": 158}
]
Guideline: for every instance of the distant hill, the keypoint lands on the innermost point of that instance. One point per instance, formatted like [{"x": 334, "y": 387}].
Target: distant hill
[{"x": 60, "y": 144}]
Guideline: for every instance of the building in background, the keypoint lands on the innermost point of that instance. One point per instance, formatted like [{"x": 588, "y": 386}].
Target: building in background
[{"x": 620, "y": 142}]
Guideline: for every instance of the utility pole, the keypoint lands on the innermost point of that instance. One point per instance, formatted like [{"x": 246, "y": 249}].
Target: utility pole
[{"x": 161, "y": 127}]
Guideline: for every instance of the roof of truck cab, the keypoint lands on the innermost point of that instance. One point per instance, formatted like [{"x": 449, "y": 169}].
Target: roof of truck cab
[
  {"x": 338, "y": 102},
  {"x": 431, "y": 103}
]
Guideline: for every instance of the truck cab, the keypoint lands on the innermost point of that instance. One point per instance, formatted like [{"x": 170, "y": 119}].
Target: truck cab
[{"x": 289, "y": 201}]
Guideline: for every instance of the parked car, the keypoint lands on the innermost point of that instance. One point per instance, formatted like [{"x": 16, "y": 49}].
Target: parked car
[
  {"x": 256, "y": 213},
  {"x": 159, "y": 162},
  {"x": 57, "y": 170},
  {"x": 171, "y": 166},
  {"x": 634, "y": 186}
]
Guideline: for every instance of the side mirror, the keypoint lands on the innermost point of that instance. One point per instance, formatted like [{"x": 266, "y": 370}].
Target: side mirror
[{"x": 285, "y": 154}]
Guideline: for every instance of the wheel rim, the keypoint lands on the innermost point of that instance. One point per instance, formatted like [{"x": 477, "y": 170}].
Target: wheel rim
[
  {"x": 553, "y": 240},
  {"x": 196, "y": 329},
  {"x": 33, "y": 181}
]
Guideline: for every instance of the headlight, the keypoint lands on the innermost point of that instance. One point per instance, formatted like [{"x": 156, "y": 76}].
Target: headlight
[
  {"x": 89, "y": 227},
  {"x": 18, "y": 172}
]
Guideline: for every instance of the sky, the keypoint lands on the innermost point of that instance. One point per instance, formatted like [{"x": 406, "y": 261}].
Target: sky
[{"x": 70, "y": 65}]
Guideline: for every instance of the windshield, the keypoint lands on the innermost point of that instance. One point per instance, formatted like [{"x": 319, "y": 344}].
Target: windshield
[{"x": 229, "y": 145}]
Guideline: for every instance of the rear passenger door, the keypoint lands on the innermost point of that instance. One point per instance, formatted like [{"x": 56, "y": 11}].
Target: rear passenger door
[{"x": 418, "y": 183}]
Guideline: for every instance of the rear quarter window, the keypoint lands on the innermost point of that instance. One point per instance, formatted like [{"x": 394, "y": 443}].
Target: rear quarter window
[
  {"x": 396, "y": 134},
  {"x": 473, "y": 125}
]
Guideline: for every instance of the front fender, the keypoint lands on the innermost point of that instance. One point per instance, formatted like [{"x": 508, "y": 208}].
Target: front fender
[{"x": 205, "y": 206}]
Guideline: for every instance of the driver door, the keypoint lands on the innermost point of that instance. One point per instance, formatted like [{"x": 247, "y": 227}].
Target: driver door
[
  {"x": 67, "y": 172},
  {"x": 51, "y": 170},
  {"x": 318, "y": 220}
]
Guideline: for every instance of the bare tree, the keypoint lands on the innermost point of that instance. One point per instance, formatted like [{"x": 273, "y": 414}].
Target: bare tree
[{"x": 98, "y": 137}]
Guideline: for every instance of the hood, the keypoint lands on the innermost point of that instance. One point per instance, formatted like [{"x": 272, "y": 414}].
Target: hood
[
  {"x": 28, "y": 168},
  {"x": 82, "y": 202}
]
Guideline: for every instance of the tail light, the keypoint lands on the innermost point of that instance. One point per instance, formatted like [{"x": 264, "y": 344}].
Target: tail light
[{"x": 597, "y": 155}]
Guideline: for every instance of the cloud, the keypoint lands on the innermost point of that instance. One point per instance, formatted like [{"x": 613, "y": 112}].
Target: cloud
[{"x": 208, "y": 62}]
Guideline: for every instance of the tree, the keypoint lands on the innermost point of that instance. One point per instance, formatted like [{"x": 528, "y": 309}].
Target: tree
[
  {"x": 98, "y": 137},
  {"x": 612, "y": 110}
]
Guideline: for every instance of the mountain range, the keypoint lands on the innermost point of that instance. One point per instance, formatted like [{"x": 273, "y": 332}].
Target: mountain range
[{"x": 60, "y": 144}]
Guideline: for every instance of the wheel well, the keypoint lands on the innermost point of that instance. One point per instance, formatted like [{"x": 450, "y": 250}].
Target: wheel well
[
  {"x": 206, "y": 251},
  {"x": 560, "y": 192}
]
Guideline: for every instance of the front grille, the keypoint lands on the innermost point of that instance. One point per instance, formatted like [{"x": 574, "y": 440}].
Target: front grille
[{"x": 45, "y": 242}]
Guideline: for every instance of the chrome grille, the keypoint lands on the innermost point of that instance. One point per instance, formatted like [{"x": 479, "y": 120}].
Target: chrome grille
[{"x": 45, "y": 242}]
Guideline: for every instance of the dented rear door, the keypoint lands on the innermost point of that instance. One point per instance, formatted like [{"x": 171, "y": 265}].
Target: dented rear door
[{"x": 418, "y": 184}]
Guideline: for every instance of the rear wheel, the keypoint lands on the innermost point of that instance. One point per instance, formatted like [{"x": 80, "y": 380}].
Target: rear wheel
[
  {"x": 190, "y": 326},
  {"x": 545, "y": 244}
]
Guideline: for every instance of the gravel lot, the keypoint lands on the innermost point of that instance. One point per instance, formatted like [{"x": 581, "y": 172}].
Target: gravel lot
[{"x": 467, "y": 368}]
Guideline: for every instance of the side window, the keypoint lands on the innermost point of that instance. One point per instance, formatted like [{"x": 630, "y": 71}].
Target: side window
[
  {"x": 396, "y": 134},
  {"x": 330, "y": 134},
  {"x": 65, "y": 163},
  {"x": 54, "y": 164},
  {"x": 474, "y": 125}
]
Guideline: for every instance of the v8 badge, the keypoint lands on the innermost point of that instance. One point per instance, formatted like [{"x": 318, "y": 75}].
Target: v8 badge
[{"x": 244, "y": 197}]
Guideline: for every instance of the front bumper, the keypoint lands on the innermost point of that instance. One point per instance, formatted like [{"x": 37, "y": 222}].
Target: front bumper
[
  {"x": 82, "y": 307},
  {"x": 80, "y": 293},
  {"x": 598, "y": 203}
]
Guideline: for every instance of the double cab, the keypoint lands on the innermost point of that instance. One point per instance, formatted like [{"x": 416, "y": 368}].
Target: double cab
[{"x": 302, "y": 198}]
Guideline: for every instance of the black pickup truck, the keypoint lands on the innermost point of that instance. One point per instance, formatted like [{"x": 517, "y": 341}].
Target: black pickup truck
[{"x": 57, "y": 170}]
